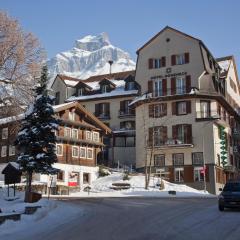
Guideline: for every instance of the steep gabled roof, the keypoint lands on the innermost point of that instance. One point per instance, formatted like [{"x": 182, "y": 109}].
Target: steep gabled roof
[
  {"x": 100, "y": 124},
  {"x": 170, "y": 28},
  {"x": 118, "y": 75},
  {"x": 179, "y": 32},
  {"x": 65, "y": 80}
]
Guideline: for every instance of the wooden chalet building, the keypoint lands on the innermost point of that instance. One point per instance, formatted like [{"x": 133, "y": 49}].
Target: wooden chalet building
[{"x": 79, "y": 145}]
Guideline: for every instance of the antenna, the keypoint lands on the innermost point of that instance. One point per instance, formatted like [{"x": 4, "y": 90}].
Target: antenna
[{"x": 110, "y": 64}]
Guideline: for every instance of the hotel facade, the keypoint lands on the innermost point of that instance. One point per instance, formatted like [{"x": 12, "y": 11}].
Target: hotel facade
[
  {"x": 187, "y": 120},
  {"x": 177, "y": 114}
]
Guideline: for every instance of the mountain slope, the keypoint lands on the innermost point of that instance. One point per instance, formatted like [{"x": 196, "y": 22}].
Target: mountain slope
[{"x": 90, "y": 57}]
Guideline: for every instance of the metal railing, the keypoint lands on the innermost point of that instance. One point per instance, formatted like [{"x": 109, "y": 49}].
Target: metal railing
[
  {"x": 171, "y": 142},
  {"x": 126, "y": 113},
  {"x": 207, "y": 114},
  {"x": 105, "y": 115},
  {"x": 170, "y": 91}
]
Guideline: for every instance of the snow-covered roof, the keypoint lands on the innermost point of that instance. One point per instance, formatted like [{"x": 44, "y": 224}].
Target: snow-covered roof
[
  {"x": 56, "y": 107},
  {"x": 116, "y": 92},
  {"x": 224, "y": 65},
  {"x": 71, "y": 83},
  {"x": 11, "y": 119}
]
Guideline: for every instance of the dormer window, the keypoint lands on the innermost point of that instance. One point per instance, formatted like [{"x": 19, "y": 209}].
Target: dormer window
[
  {"x": 80, "y": 91},
  {"x": 105, "y": 88},
  {"x": 130, "y": 85}
]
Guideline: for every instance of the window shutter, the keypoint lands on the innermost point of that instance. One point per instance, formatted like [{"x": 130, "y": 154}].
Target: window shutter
[
  {"x": 188, "y": 103},
  {"x": 164, "y": 129},
  {"x": 174, "y": 108},
  {"x": 150, "y": 136},
  {"x": 188, "y": 83},
  {"x": 108, "y": 109},
  {"x": 151, "y": 110},
  {"x": 173, "y": 60},
  {"x": 122, "y": 106},
  {"x": 150, "y": 86},
  {"x": 188, "y": 133},
  {"x": 186, "y": 56},
  {"x": 174, "y": 132},
  {"x": 173, "y": 86},
  {"x": 97, "y": 108},
  {"x": 164, "y": 86},
  {"x": 163, "y": 60},
  {"x": 150, "y": 63},
  {"x": 165, "y": 109}
]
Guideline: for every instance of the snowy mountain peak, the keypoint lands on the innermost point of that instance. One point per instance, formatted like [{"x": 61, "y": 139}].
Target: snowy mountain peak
[
  {"x": 90, "y": 57},
  {"x": 93, "y": 43}
]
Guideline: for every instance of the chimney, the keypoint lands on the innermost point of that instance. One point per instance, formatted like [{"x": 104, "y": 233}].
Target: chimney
[{"x": 110, "y": 64}]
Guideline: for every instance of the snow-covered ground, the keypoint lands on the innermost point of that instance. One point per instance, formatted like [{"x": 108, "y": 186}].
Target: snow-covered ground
[
  {"x": 102, "y": 188},
  {"x": 49, "y": 214}
]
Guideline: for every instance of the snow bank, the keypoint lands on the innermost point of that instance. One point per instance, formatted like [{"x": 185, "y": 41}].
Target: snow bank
[{"x": 102, "y": 188}]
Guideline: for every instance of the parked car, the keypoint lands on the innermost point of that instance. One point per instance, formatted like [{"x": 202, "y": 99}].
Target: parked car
[{"x": 230, "y": 196}]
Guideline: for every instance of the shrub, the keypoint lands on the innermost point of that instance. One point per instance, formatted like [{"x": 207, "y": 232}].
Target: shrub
[
  {"x": 126, "y": 176},
  {"x": 103, "y": 172}
]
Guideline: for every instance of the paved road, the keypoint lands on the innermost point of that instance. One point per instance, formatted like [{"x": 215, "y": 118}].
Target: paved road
[{"x": 146, "y": 218}]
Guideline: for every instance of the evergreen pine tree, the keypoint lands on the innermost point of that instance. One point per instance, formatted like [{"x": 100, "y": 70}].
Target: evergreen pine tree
[{"x": 36, "y": 139}]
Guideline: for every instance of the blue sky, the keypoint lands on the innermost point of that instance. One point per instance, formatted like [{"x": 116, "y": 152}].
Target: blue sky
[{"x": 129, "y": 23}]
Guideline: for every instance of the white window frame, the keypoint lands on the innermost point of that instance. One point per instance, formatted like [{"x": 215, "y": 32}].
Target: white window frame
[
  {"x": 60, "y": 145},
  {"x": 65, "y": 131},
  {"x": 91, "y": 149},
  {"x": 198, "y": 170},
  {"x": 180, "y": 85},
  {"x": 158, "y": 88},
  {"x": 80, "y": 92},
  {"x": 85, "y": 150},
  {"x": 87, "y": 136},
  {"x": 75, "y": 147},
  {"x": 157, "y": 63},
  {"x": 178, "y": 171},
  {"x": 11, "y": 150},
  {"x": 71, "y": 115},
  {"x": 5, "y": 133},
  {"x": 4, "y": 151},
  {"x": 131, "y": 85},
  {"x": 95, "y": 136},
  {"x": 104, "y": 88},
  {"x": 180, "y": 59},
  {"x": 182, "y": 108},
  {"x": 76, "y": 131}
]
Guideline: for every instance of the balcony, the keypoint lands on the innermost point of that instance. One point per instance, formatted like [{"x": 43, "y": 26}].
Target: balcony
[
  {"x": 103, "y": 116},
  {"x": 129, "y": 113},
  {"x": 207, "y": 116},
  {"x": 170, "y": 91},
  {"x": 172, "y": 143}
]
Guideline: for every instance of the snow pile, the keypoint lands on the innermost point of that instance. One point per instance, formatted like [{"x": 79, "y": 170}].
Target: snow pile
[
  {"x": 102, "y": 188},
  {"x": 90, "y": 57}
]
